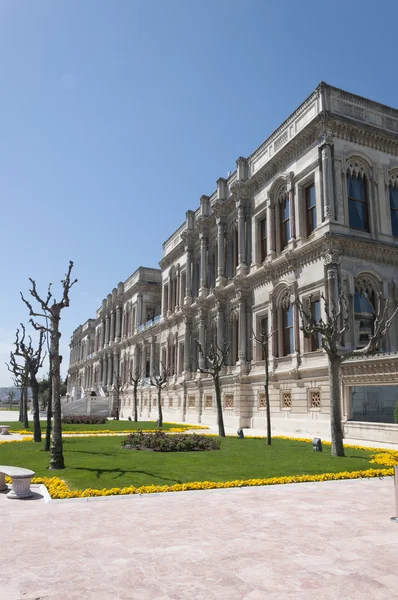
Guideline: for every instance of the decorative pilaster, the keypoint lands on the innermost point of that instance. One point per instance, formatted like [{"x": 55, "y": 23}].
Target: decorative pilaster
[
  {"x": 109, "y": 371},
  {"x": 143, "y": 361},
  {"x": 203, "y": 264},
  {"x": 112, "y": 336},
  {"x": 292, "y": 208},
  {"x": 139, "y": 309},
  {"x": 326, "y": 144},
  {"x": 220, "y": 251},
  {"x": 187, "y": 345},
  {"x": 169, "y": 307},
  {"x": 242, "y": 337},
  {"x": 118, "y": 323},
  {"x": 202, "y": 338},
  {"x": 116, "y": 366},
  {"x": 152, "y": 357},
  {"x": 242, "y": 267},
  {"x": 107, "y": 330},
  {"x": 188, "y": 283},
  {"x": 220, "y": 328}
]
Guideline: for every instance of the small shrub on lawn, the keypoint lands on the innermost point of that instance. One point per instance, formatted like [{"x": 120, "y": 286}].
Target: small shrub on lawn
[
  {"x": 163, "y": 442},
  {"x": 83, "y": 420}
]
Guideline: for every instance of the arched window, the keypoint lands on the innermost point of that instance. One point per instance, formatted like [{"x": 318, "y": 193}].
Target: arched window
[
  {"x": 393, "y": 194},
  {"x": 357, "y": 193},
  {"x": 285, "y": 325},
  {"x": 364, "y": 310}
]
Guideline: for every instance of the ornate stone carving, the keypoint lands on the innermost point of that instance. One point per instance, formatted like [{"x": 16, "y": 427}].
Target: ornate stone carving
[
  {"x": 331, "y": 258},
  {"x": 326, "y": 139}
]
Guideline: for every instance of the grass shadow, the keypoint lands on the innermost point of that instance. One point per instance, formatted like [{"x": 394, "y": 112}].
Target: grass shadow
[{"x": 120, "y": 472}]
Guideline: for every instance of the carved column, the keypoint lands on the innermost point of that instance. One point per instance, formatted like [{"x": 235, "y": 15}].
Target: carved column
[
  {"x": 271, "y": 230},
  {"x": 112, "y": 326},
  {"x": 105, "y": 371},
  {"x": 118, "y": 323},
  {"x": 188, "y": 283},
  {"x": 325, "y": 145},
  {"x": 203, "y": 262},
  {"x": 152, "y": 357},
  {"x": 292, "y": 208},
  {"x": 139, "y": 309},
  {"x": 220, "y": 328},
  {"x": 202, "y": 338},
  {"x": 107, "y": 330},
  {"x": 109, "y": 370},
  {"x": 187, "y": 345},
  {"x": 143, "y": 361},
  {"x": 242, "y": 337},
  {"x": 220, "y": 252},
  {"x": 178, "y": 288},
  {"x": 116, "y": 365},
  {"x": 169, "y": 306},
  {"x": 241, "y": 236}
]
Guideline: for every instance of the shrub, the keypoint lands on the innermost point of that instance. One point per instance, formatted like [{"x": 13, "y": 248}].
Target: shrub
[
  {"x": 163, "y": 442},
  {"x": 83, "y": 420}
]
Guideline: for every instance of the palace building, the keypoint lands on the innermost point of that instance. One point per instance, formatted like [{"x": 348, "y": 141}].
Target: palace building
[{"x": 313, "y": 210}]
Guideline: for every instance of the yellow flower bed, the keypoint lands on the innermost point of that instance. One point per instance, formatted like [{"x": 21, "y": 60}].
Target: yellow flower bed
[
  {"x": 92, "y": 432},
  {"x": 388, "y": 458},
  {"x": 58, "y": 489}
]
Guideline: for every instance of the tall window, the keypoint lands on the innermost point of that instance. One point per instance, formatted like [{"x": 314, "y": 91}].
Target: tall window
[
  {"x": 364, "y": 317},
  {"x": 284, "y": 218},
  {"x": 315, "y": 340},
  {"x": 287, "y": 330},
  {"x": 394, "y": 209},
  {"x": 263, "y": 239},
  {"x": 310, "y": 208},
  {"x": 357, "y": 202}
]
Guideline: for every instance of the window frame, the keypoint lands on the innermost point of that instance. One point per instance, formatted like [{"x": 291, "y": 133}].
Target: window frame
[
  {"x": 365, "y": 201},
  {"x": 392, "y": 187},
  {"x": 283, "y": 222},
  {"x": 310, "y": 210},
  {"x": 263, "y": 238}
]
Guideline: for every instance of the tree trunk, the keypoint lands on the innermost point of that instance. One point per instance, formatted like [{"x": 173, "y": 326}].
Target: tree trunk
[
  {"x": 117, "y": 407},
  {"x": 220, "y": 418},
  {"x": 57, "y": 457},
  {"x": 160, "y": 419},
  {"x": 21, "y": 397},
  {"x": 267, "y": 406},
  {"x": 47, "y": 443},
  {"x": 25, "y": 420},
  {"x": 35, "y": 408},
  {"x": 335, "y": 408},
  {"x": 135, "y": 402}
]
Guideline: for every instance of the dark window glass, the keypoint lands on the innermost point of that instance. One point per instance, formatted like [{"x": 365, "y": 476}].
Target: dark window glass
[
  {"x": 316, "y": 340},
  {"x": 364, "y": 318},
  {"x": 310, "y": 208},
  {"x": 394, "y": 209},
  {"x": 357, "y": 203},
  {"x": 284, "y": 222},
  {"x": 287, "y": 323},
  {"x": 263, "y": 239}
]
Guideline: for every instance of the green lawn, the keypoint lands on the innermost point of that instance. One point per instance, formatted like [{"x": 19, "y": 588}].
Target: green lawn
[
  {"x": 102, "y": 463},
  {"x": 110, "y": 424}
]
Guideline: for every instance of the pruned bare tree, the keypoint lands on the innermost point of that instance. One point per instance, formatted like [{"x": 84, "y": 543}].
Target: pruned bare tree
[
  {"x": 20, "y": 377},
  {"x": 135, "y": 376},
  {"x": 10, "y": 397},
  {"x": 51, "y": 313},
  {"x": 263, "y": 340},
  {"x": 33, "y": 359},
  {"x": 213, "y": 360},
  {"x": 332, "y": 330},
  {"x": 47, "y": 442},
  {"x": 117, "y": 390},
  {"x": 160, "y": 380}
]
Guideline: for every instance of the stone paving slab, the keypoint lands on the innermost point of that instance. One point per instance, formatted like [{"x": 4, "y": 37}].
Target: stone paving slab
[{"x": 300, "y": 541}]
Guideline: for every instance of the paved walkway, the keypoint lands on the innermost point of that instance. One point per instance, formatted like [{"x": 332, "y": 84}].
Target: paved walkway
[{"x": 302, "y": 541}]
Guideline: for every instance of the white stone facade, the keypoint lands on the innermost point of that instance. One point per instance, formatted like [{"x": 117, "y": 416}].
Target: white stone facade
[{"x": 313, "y": 210}]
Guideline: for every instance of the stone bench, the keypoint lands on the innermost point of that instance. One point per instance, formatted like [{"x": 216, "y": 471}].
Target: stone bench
[
  {"x": 20, "y": 481},
  {"x": 4, "y": 429}
]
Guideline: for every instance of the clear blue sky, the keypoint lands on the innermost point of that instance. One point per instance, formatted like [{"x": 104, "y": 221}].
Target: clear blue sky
[{"x": 116, "y": 116}]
